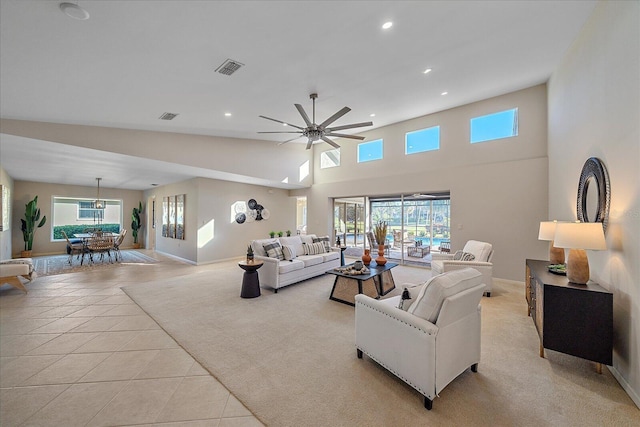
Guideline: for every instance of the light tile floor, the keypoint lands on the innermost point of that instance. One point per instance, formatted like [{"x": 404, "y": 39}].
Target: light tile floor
[{"x": 77, "y": 351}]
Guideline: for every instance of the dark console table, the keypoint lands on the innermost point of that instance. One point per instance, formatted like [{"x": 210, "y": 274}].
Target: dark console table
[{"x": 570, "y": 318}]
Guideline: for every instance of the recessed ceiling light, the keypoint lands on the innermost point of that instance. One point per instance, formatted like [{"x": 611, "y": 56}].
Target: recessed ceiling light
[
  {"x": 372, "y": 115},
  {"x": 444, "y": 93},
  {"x": 387, "y": 25},
  {"x": 227, "y": 114},
  {"x": 74, "y": 11},
  {"x": 427, "y": 71},
  {"x": 284, "y": 124}
]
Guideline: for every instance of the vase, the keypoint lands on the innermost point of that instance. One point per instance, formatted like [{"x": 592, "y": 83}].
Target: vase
[
  {"x": 366, "y": 258},
  {"x": 381, "y": 260},
  {"x": 25, "y": 254}
]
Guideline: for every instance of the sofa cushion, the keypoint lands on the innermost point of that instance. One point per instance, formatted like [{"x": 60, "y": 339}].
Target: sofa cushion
[
  {"x": 314, "y": 248},
  {"x": 294, "y": 241},
  {"x": 310, "y": 260},
  {"x": 329, "y": 256},
  {"x": 324, "y": 240},
  {"x": 481, "y": 250},
  {"x": 429, "y": 301},
  {"x": 289, "y": 252},
  {"x": 289, "y": 266},
  {"x": 274, "y": 250}
]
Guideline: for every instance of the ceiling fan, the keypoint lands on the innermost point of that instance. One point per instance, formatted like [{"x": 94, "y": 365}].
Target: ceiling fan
[{"x": 315, "y": 132}]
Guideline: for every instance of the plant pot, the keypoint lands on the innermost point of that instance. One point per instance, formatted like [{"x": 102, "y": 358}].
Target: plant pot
[
  {"x": 366, "y": 258},
  {"x": 136, "y": 246},
  {"x": 381, "y": 260},
  {"x": 25, "y": 254}
]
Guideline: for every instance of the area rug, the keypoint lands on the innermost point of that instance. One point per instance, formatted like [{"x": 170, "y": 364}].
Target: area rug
[
  {"x": 59, "y": 264},
  {"x": 290, "y": 358}
]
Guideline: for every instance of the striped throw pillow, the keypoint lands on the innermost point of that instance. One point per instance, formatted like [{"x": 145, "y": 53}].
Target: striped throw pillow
[
  {"x": 325, "y": 241},
  {"x": 314, "y": 248},
  {"x": 289, "y": 252}
]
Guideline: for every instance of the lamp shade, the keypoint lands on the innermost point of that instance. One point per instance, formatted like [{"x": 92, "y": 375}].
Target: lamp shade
[
  {"x": 547, "y": 230},
  {"x": 580, "y": 235}
]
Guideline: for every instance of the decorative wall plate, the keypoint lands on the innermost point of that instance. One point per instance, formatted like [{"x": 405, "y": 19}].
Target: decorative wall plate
[
  {"x": 240, "y": 218},
  {"x": 252, "y": 203},
  {"x": 266, "y": 214},
  {"x": 251, "y": 215}
]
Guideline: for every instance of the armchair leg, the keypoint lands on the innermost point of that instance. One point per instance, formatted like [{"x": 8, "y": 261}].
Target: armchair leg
[
  {"x": 474, "y": 367},
  {"x": 488, "y": 294},
  {"x": 359, "y": 352},
  {"x": 428, "y": 403}
]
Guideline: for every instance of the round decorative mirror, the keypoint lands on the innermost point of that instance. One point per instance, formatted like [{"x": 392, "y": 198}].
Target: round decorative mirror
[{"x": 594, "y": 194}]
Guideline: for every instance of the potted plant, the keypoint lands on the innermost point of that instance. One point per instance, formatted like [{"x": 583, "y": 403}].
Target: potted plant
[
  {"x": 249, "y": 254},
  {"x": 30, "y": 224},
  {"x": 272, "y": 234},
  {"x": 136, "y": 224},
  {"x": 280, "y": 233},
  {"x": 288, "y": 233}
]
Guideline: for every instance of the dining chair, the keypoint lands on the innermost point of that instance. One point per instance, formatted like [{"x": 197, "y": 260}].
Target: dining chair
[
  {"x": 117, "y": 243},
  {"x": 74, "y": 248},
  {"x": 102, "y": 244}
]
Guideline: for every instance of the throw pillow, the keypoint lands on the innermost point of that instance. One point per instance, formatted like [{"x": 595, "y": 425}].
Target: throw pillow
[
  {"x": 313, "y": 248},
  {"x": 429, "y": 301},
  {"x": 324, "y": 240},
  {"x": 289, "y": 252},
  {"x": 463, "y": 256},
  {"x": 274, "y": 250}
]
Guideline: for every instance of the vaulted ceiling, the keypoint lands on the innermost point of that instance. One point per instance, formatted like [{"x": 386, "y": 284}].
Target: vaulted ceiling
[{"x": 132, "y": 61}]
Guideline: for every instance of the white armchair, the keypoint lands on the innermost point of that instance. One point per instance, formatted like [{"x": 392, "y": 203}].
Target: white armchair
[
  {"x": 434, "y": 341},
  {"x": 482, "y": 252}
]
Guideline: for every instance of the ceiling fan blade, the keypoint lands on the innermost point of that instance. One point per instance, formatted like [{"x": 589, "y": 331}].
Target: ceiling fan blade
[
  {"x": 289, "y": 140},
  {"x": 353, "y": 125},
  {"x": 330, "y": 142},
  {"x": 343, "y": 135},
  {"x": 292, "y": 131},
  {"x": 335, "y": 117},
  {"x": 303, "y": 114},
  {"x": 280, "y": 121},
  {"x": 309, "y": 143}
]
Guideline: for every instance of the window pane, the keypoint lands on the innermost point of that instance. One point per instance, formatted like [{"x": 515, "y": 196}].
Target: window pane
[
  {"x": 422, "y": 140},
  {"x": 76, "y": 215},
  {"x": 368, "y": 151},
  {"x": 330, "y": 158},
  {"x": 494, "y": 126}
]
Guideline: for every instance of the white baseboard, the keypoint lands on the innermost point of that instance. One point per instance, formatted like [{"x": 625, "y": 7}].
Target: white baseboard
[
  {"x": 188, "y": 261},
  {"x": 625, "y": 386}
]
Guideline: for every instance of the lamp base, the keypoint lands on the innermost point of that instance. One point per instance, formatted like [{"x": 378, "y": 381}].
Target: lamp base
[
  {"x": 578, "y": 267},
  {"x": 556, "y": 255}
]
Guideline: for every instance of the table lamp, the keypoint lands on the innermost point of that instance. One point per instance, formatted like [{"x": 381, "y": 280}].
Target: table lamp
[
  {"x": 578, "y": 236},
  {"x": 547, "y": 232}
]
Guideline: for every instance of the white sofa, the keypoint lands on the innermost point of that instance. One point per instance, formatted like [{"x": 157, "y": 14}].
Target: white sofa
[
  {"x": 431, "y": 343},
  {"x": 277, "y": 273},
  {"x": 482, "y": 252}
]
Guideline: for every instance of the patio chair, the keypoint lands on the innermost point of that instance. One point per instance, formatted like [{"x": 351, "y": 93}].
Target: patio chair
[
  {"x": 74, "y": 247},
  {"x": 482, "y": 253},
  {"x": 373, "y": 243}
]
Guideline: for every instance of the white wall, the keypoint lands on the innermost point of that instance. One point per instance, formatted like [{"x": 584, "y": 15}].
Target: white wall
[
  {"x": 498, "y": 188},
  {"x": 212, "y": 234},
  {"x": 594, "y": 111},
  {"x": 24, "y": 191},
  {"x": 5, "y": 235}
]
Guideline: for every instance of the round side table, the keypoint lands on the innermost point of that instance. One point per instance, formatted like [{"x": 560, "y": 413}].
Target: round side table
[{"x": 250, "y": 281}]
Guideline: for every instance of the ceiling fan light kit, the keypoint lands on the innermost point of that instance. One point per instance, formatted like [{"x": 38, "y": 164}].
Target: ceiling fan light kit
[{"x": 315, "y": 132}]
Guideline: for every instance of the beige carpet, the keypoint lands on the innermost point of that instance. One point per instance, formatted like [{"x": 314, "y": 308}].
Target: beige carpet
[{"x": 290, "y": 358}]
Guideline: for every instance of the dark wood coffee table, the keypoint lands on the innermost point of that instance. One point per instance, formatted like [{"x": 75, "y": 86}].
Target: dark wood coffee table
[{"x": 378, "y": 282}]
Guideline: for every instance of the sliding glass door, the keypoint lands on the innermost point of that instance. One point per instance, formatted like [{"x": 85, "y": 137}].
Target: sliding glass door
[{"x": 349, "y": 221}]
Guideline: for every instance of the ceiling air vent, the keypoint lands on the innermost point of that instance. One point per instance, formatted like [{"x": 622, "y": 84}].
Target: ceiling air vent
[
  {"x": 168, "y": 116},
  {"x": 229, "y": 67}
]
